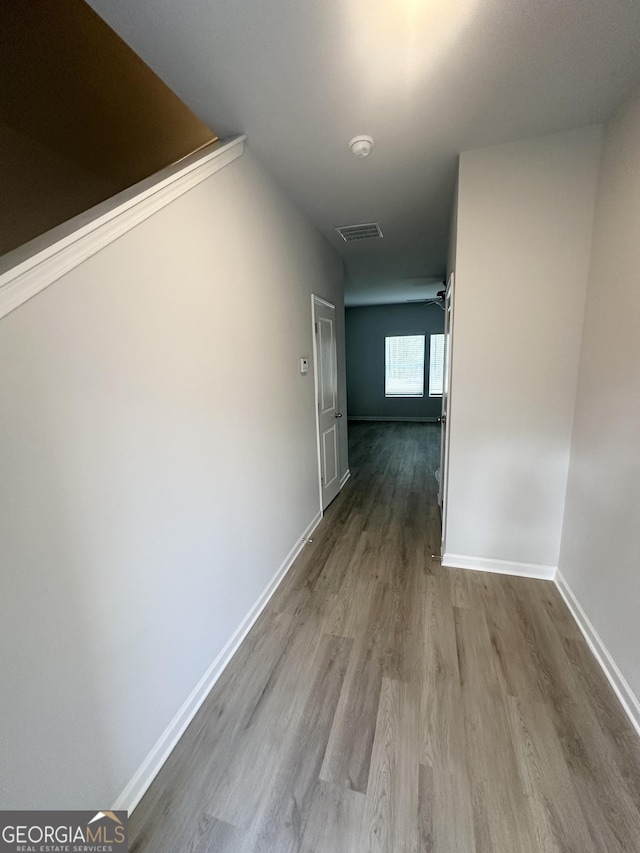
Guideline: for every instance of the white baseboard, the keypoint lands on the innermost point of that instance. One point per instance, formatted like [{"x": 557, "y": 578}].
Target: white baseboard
[
  {"x": 616, "y": 679},
  {"x": 403, "y": 420},
  {"x": 501, "y": 567},
  {"x": 344, "y": 478},
  {"x": 150, "y": 767}
]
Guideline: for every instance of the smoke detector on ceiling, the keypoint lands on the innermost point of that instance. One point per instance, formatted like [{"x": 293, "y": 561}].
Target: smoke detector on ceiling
[{"x": 361, "y": 146}]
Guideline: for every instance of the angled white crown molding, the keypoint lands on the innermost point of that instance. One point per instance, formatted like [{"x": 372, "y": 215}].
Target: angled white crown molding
[{"x": 27, "y": 270}]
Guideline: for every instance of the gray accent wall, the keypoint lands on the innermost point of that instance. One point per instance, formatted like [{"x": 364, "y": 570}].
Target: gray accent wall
[{"x": 366, "y": 329}]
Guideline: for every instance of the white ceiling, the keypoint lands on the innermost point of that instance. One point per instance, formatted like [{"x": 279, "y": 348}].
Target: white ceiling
[{"x": 426, "y": 78}]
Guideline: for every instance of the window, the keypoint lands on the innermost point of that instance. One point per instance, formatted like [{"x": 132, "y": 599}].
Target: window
[
  {"x": 404, "y": 366},
  {"x": 436, "y": 365}
]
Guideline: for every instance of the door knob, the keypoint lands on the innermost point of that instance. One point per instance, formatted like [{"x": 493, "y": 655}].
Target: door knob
[
  {"x": 442, "y": 419},
  {"x": 338, "y": 414}
]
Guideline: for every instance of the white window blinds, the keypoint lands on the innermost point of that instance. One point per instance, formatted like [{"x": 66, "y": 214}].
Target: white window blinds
[
  {"x": 404, "y": 366},
  {"x": 436, "y": 365}
]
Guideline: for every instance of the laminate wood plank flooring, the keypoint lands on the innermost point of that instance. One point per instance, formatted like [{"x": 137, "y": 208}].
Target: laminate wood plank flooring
[{"x": 384, "y": 704}]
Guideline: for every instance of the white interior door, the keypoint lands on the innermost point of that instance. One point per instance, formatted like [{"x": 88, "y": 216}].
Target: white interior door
[
  {"x": 444, "y": 418},
  {"x": 328, "y": 416}
]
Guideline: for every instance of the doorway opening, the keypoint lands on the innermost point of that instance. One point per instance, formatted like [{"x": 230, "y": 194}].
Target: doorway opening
[{"x": 398, "y": 370}]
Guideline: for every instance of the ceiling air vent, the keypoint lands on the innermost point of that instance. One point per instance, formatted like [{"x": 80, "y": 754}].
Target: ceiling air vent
[{"x": 350, "y": 233}]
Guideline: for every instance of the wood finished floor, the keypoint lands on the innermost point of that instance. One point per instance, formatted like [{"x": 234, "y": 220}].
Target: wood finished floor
[{"x": 383, "y": 704}]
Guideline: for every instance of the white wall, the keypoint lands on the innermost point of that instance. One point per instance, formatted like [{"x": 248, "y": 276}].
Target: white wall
[
  {"x": 452, "y": 248},
  {"x": 525, "y": 216},
  {"x": 158, "y": 458},
  {"x": 600, "y": 556}
]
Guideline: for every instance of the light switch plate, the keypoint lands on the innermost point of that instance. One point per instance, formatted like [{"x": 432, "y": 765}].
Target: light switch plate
[{"x": 304, "y": 365}]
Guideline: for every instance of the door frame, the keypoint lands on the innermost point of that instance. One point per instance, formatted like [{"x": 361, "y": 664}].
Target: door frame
[
  {"x": 444, "y": 472},
  {"x": 318, "y": 300}
]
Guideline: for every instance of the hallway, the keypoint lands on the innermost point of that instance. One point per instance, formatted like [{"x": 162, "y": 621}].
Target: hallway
[{"x": 384, "y": 704}]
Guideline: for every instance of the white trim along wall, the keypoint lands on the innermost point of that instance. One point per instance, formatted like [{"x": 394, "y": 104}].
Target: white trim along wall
[
  {"x": 616, "y": 679},
  {"x": 501, "y": 567},
  {"x": 34, "y": 266}
]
